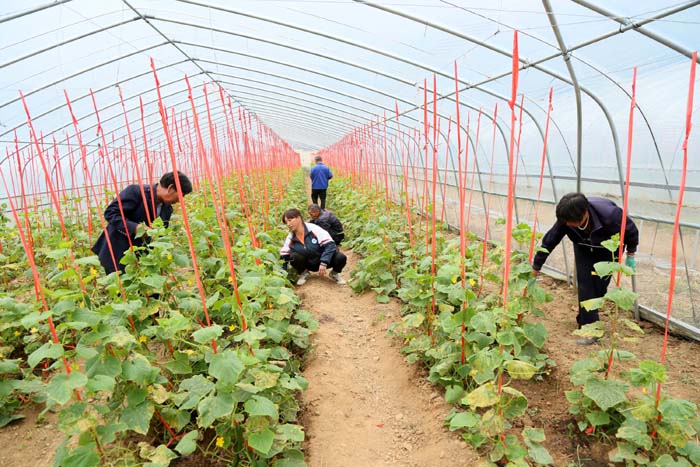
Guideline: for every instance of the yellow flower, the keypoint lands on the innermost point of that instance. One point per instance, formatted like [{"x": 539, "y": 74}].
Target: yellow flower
[
  {"x": 644, "y": 390},
  {"x": 230, "y": 279},
  {"x": 454, "y": 279},
  {"x": 170, "y": 257},
  {"x": 189, "y": 282},
  {"x": 1, "y": 356},
  {"x": 74, "y": 367},
  {"x": 149, "y": 388},
  {"x": 143, "y": 338},
  {"x": 33, "y": 330},
  {"x": 189, "y": 352},
  {"x": 472, "y": 282},
  {"x": 59, "y": 266},
  {"x": 82, "y": 304},
  {"x": 473, "y": 372},
  {"x": 232, "y": 327},
  {"x": 93, "y": 271},
  {"x": 220, "y": 442},
  {"x": 17, "y": 333}
]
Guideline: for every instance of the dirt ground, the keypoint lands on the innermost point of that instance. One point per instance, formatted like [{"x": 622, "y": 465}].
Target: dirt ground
[{"x": 366, "y": 406}]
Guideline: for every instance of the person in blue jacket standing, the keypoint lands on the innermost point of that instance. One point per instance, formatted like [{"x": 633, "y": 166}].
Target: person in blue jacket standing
[
  {"x": 320, "y": 174},
  {"x": 136, "y": 207},
  {"x": 588, "y": 221}
]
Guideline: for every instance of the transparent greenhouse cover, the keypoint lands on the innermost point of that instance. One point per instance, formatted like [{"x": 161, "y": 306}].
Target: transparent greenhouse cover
[{"x": 313, "y": 70}]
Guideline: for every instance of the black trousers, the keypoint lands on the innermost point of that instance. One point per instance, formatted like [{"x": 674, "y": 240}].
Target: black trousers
[
  {"x": 589, "y": 285},
  {"x": 315, "y": 194},
  {"x": 300, "y": 264}
]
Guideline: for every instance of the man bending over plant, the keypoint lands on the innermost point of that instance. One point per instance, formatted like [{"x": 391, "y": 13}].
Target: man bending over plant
[
  {"x": 134, "y": 209},
  {"x": 588, "y": 222}
]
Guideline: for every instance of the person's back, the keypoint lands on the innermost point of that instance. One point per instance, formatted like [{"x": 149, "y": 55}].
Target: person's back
[{"x": 320, "y": 175}]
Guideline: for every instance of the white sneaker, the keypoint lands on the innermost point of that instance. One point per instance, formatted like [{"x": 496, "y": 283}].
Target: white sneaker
[
  {"x": 336, "y": 278},
  {"x": 303, "y": 277}
]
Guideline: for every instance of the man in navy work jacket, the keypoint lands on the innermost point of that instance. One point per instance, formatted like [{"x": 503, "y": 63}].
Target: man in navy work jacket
[
  {"x": 588, "y": 222},
  {"x": 139, "y": 209},
  {"x": 310, "y": 248},
  {"x": 327, "y": 221},
  {"x": 320, "y": 174}
]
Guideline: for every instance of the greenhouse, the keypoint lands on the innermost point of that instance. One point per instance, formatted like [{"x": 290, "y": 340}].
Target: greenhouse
[{"x": 349, "y": 233}]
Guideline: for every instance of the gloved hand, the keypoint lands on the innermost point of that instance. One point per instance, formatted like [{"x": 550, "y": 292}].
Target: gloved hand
[{"x": 631, "y": 262}]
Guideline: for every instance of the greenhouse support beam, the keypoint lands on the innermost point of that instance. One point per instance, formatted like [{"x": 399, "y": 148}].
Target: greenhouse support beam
[
  {"x": 33, "y": 10},
  {"x": 67, "y": 41},
  {"x": 577, "y": 89},
  {"x": 638, "y": 26}
]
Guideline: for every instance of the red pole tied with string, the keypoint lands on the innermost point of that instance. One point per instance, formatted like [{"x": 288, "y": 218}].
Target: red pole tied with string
[
  {"x": 679, "y": 205},
  {"x": 181, "y": 200}
]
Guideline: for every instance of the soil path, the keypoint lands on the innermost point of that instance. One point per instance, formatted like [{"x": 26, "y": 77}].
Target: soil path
[{"x": 365, "y": 406}]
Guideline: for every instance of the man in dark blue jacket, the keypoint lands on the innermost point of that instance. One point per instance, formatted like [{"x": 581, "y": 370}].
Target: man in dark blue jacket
[
  {"x": 327, "y": 221},
  {"x": 320, "y": 174},
  {"x": 134, "y": 209},
  {"x": 588, "y": 222}
]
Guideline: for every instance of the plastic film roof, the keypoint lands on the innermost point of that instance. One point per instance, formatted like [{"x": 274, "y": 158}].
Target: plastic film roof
[{"x": 314, "y": 70}]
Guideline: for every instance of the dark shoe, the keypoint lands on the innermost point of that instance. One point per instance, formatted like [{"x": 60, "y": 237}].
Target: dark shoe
[{"x": 587, "y": 341}]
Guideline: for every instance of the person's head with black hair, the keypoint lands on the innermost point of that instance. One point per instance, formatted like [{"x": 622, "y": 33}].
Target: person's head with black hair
[
  {"x": 572, "y": 210},
  {"x": 292, "y": 219},
  {"x": 314, "y": 210},
  {"x": 318, "y": 159},
  {"x": 166, "y": 190}
]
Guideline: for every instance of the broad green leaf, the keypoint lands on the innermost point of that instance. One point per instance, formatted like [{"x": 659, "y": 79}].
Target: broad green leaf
[
  {"x": 258, "y": 406},
  {"x": 154, "y": 281},
  {"x": 291, "y": 432},
  {"x": 158, "y": 457},
  {"x": 535, "y": 333},
  {"x": 598, "y": 418},
  {"x": 138, "y": 369},
  {"x": 483, "y": 396},
  {"x": 48, "y": 350},
  {"x": 692, "y": 451},
  {"x": 121, "y": 339},
  {"x": 453, "y": 393},
  {"x": 180, "y": 365},
  {"x": 483, "y": 322},
  {"x": 292, "y": 458},
  {"x": 605, "y": 393},
  {"x": 83, "y": 456},
  {"x": 195, "y": 389},
  {"x": 138, "y": 417},
  {"x": 536, "y": 435},
  {"x": 668, "y": 461},
  {"x": 9, "y": 366},
  {"x": 226, "y": 367},
  {"x": 188, "y": 443},
  {"x": 207, "y": 334},
  {"x": 624, "y": 298},
  {"x": 60, "y": 388},
  {"x": 635, "y": 431},
  {"x": 593, "y": 303},
  {"x": 213, "y": 407},
  {"x": 539, "y": 454},
  {"x": 261, "y": 441},
  {"x": 519, "y": 369},
  {"x": 100, "y": 383},
  {"x": 463, "y": 420},
  {"x": 677, "y": 409}
]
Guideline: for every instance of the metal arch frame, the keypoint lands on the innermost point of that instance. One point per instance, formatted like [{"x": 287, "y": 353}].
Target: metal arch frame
[
  {"x": 637, "y": 26},
  {"x": 33, "y": 10},
  {"x": 81, "y": 72},
  {"x": 383, "y": 53},
  {"x": 577, "y": 93},
  {"x": 327, "y": 57},
  {"x": 68, "y": 41}
]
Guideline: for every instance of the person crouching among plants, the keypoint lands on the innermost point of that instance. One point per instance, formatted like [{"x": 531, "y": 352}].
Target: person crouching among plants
[
  {"x": 588, "y": 222},
  {"x": 327, "y": 221},
  {"x": 309, "y": 248}
]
